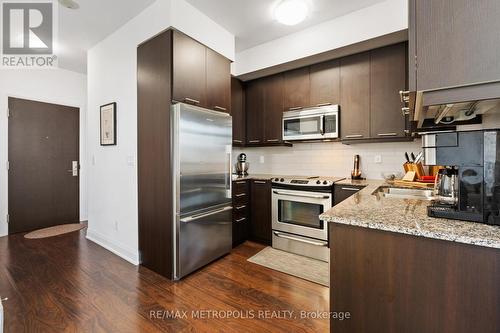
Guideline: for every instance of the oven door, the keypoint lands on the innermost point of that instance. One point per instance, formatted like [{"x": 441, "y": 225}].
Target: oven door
[{"x": 297, "y": 212}]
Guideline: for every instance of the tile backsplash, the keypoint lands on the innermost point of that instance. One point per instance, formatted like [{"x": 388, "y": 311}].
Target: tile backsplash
[{"x": 329, "y": 158}]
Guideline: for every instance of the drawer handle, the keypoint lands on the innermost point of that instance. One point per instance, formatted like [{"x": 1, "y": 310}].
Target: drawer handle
[
  {"x": 354, "y": 136},
  {"x": 350, "y": 189},
  {"x": 190, "y": 100},
  {"x": 241, "y": 182},
  {"x": 241, "y": 207},
  {"x": 295, "y": 108},
  {"x": 404, "y": 96},
  {"x": 323, "y": 104},
  {"x": 254, "y": 141},
  {"x": 273, "y": 140},
  {"x": 259, "y": 182},
  {"x": 279, "y": 234},
  {"x": 405, "y": 111},
  {"x": 387, "y": 134},
  {"x": 406, "y": 131},
  {"x": 237, "y": 141},
  {"x": 240, "y": 195},
  {"x": 220, "y": 108},
  {"x": 241, "y": 220}
]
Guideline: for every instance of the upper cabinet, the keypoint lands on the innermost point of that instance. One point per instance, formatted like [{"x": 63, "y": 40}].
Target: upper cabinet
[
  {"x": 355, "y": 97},
  {"x": 325, "y": 83},
  {"x": 254, "y": 109},
  {"x": 454, "y": 49},
  {"x": 238, "y": 112},
  {"x": 297, "y": 89},
  {"x": 200, "y": 75},
  {"x": 273, "y": 108}
]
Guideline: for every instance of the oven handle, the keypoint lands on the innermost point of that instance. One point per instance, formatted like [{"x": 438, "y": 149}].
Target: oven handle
[
  {"x": 278, "y": 234},
  {"x": 293, "y": 194}
]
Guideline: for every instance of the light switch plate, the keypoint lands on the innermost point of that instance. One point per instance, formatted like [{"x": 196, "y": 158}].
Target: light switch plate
[
  {"x": 377, "y": 159},
  {"x": 261, "y": 159}
]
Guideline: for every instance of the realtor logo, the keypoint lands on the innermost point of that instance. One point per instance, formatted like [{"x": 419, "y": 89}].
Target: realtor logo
[{"x": 28, "y": 30}]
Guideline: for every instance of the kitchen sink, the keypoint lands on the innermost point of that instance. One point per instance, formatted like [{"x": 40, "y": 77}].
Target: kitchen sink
[{"x": 405, "y": 193}]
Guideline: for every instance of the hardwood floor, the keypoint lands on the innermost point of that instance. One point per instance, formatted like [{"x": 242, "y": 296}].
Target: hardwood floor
[{"x": 68, "y": 283}]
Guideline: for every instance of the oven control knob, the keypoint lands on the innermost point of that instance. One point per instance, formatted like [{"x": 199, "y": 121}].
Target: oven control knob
[
  {"x": 276, "y": 179},
  {"x": 318, "y": 182},
  {"x": 325, "y": 183},
  {"x": 282, "y": 179}
]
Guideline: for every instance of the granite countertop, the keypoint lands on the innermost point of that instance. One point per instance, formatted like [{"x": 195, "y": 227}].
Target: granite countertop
[{"x": 405, "y": 216}]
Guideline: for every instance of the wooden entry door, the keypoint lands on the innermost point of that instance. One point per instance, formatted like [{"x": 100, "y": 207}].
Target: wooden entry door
[{"x": 43, "y": 146}]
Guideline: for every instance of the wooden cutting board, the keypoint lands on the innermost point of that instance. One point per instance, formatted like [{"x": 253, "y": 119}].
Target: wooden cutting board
[{"x": 413, "y": 184}]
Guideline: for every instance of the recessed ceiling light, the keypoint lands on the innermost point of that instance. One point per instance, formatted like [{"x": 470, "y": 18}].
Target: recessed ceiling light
[
  {"x": 69, "y": 4},
  {"x": 291, "y": 12}
]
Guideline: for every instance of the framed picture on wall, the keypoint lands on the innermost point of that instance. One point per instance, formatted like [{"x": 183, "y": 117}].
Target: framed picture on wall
[{"x": 108, "y": 124}]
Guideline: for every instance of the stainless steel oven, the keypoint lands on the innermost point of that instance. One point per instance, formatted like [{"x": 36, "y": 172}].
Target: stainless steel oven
[
  {"x": 311, "y": 124},
  {"x": 296, "y": 206}
]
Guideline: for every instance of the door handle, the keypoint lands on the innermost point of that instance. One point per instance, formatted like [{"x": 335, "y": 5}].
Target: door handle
[
  {"x": 190, "y": 100},
  {"x": 350, "y": 189},
  {"x": 278, "y": 234},
  {"x": 200, "y": 216},
  {"x": 74, "y": 169}
]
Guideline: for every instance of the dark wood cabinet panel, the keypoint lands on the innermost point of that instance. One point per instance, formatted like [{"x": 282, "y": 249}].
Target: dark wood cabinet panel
[
  {"x": 355, "y": 96},
  {"x": 342, "y": 192},
  {"x": 241, "y": 211},
  {"x": 387, "y": 78},
  {"x": 325, "y": 83},
  {"x": 260, "y": 226},
  {"x": 273, "y": 88},
  {"x": 238, "y": 112},
  {"x": 392, "y": 282},
  {"x": 254, "y": 109},
  {"x": 189, "y": 70},
  {"x": 297, "y": 88},
  {"x": 153, "y": 158},
  {"x": 218, "y": 82},
  {"x": 457, "y": 42}
]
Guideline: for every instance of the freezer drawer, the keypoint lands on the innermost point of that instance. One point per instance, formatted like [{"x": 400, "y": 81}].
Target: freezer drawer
[{"x": 202, "y": 238}]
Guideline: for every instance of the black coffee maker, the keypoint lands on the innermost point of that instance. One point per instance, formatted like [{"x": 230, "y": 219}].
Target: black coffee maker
[{"x": 469, "y": 187}]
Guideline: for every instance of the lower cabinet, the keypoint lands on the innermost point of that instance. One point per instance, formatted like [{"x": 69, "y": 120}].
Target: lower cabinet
[
  {"x": 342, "y": 192},
  {"x": 260, "y": 207},
  {"x": 241, "y": 211}
]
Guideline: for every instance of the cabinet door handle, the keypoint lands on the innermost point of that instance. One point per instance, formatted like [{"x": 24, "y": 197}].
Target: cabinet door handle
[
  {"x": 404, "y": 96},
  {"x": 354, "y": 136},
  {"x": 406, "y": 131},
  {"x": 295, "y": 108},
  {"x": 254, "y": 141},
  {"x": 241, "y": 182},
  {"x": 240, "y": 195},
  {"x": 241, "y": 220},
  {"x": 259, "y": 182},
  {"x": 190, "y": 100},
  {"x": 273, "y": 140},
  {"x": 323, "y": 104},
  {"x": 405, "y": 111},
  {"x": 387, "y": 134},
  {"x": 350, "y": 189},
  {"x": 241, "y": 207},
  {"x": 220, "y": 108},
  {"x": 237, "y": 141}
]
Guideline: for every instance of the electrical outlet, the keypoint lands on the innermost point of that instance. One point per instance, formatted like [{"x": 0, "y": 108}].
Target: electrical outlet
[
  {"x": 378, "y": 159},
  {"x": 261, "y": 159}
]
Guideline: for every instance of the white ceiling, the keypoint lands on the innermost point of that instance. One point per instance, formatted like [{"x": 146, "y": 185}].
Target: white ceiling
[
  {"x": 251, "y": 21},
  {"x": 81, "y": 29}
]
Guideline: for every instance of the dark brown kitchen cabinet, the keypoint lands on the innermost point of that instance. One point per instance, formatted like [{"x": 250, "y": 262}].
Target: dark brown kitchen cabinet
[
  {"x": 325, "y": 83},
  {"x": 241, "y": 211},
  {"x": 342, "y": 192},
  {"x": 218, "y": 82},
  {"x": 297, "y": 89},
  {"x": 254, "y": 109},
  {"x": 355, "y": 96},
  {"x": 454, "y": 49},
  {"x": 260, "y": 226},
  {"x": 273, "y": 87},
  {"x": 238, "y": 112},
  {"x": 189, "y": 70},
  {"x": 387, "y": 78}
]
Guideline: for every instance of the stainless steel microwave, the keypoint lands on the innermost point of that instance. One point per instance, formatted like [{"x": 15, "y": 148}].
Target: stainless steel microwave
[{"x": 315, "y": 123}]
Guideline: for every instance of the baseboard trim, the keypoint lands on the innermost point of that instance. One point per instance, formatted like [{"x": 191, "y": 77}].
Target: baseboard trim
[{"x": 128, "y": 254}]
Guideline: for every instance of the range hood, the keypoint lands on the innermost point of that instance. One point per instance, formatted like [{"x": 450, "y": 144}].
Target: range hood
[{"x": 444, "y": 116}]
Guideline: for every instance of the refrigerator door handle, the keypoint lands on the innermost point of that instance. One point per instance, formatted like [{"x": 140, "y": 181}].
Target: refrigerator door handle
[
  {"x": 200, "y": 216},
  {"x": 229, "y": 180}
]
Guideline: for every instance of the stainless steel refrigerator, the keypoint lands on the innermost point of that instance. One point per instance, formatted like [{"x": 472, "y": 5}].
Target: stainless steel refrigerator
[{"x": 201, "y": 155}]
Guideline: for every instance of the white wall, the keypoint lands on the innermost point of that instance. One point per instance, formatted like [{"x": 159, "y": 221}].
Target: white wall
[
  {"x": 367, "y": 23},
  {"x": 329, "y": 159},
  {"x": 54, "y": 86},
  {"x": 112, "y": 66}
]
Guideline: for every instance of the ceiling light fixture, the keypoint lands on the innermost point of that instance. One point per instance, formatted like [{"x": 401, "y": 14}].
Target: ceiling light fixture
[
  {"x": 69, "y": 4},
  {"x": 291, "y": 12}
]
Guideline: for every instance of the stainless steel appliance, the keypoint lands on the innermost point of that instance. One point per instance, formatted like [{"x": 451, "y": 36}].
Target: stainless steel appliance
[
  {"x": 201, "y": 155},
  {"x": 317, "y": 123},
  {"x": 242, "y": 165},
  {"x": 296, "y": 206},
  {"x": 469, "y": 189}
]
